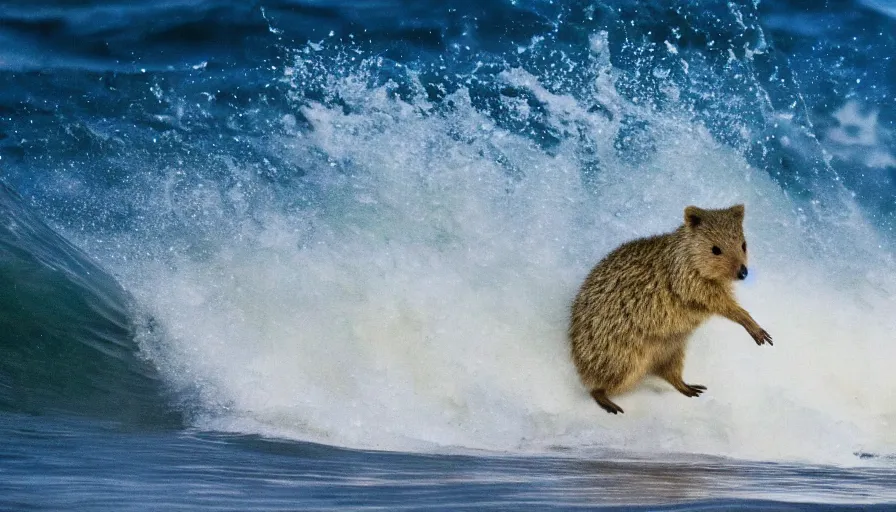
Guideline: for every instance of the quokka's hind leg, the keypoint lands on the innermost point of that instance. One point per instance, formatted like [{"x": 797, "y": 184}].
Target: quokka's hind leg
[
  {"x": 600, "y": 396},
  {"x": 670, "y": 370}
]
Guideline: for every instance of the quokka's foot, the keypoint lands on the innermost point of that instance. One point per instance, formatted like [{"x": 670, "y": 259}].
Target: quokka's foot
[
  {"x": 600, "y": 396},
  {"x": 762, "y": 337},
  {"x": 692, "y": 389}
]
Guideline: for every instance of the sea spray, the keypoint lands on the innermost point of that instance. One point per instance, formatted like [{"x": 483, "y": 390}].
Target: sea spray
[{"x": 416, "y": 297}]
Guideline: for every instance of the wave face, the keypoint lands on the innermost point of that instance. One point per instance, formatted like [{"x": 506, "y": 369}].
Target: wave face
[
  {"x": 66, "y": 344},
  {"x": 374, "y": 242}
]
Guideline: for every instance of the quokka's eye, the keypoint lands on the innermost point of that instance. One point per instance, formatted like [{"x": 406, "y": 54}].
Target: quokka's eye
[
  {"x": 716, "y": 250},
  {"x": 744, "y": 246}
]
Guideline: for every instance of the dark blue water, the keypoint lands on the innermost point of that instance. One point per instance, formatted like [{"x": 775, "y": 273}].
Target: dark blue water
[{"x": 298, "y": 255}]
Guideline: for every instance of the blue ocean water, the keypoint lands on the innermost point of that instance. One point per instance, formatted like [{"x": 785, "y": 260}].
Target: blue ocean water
[{"x": 316, "y": 255}]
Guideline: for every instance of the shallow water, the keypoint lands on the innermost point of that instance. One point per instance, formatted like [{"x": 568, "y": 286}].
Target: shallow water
[
  {"x": 72, "y": 465},
  {"x": 320, "y": 255}
]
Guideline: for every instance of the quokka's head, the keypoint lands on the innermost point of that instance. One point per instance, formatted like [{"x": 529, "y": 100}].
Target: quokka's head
[{"x": 716, "y": 243}]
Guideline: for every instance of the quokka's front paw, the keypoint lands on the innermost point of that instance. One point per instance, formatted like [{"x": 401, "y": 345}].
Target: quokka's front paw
[{"x": 762, "y": 337}]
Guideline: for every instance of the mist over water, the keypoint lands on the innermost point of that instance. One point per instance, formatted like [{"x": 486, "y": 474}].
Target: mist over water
[{"x": 409, "y": 287}]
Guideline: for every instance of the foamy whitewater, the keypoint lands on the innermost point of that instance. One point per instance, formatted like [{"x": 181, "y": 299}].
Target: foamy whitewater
[
  {"x": 411, "y": 292},
  {"x": 320, "y": 255}
]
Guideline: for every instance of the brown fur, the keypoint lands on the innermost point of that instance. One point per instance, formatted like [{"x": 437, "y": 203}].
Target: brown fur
[{"x": 639, "y": 305}]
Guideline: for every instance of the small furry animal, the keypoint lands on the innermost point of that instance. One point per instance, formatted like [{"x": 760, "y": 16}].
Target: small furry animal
[{"x": 638, "y": 306}]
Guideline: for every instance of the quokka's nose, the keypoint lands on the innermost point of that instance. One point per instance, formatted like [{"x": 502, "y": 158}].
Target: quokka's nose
[{"x": 742, "y": 273}]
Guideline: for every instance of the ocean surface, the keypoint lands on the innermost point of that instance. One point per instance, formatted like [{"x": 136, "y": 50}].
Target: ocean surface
[{"x": 319, "y": 254}]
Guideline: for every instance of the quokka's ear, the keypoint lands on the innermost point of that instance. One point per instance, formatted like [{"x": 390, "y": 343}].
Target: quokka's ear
[
  {"x": 738, "y": 211},
  {"x": 693, "y": 216}
]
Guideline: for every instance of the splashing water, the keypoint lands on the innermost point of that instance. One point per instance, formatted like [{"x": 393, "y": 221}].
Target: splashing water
[{"x": 410, "y": 289}]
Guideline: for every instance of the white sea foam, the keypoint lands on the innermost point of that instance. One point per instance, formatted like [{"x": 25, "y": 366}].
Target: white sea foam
[
  {"x": 422, "y": 302},
  {"x": 858, "y": 136}
]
